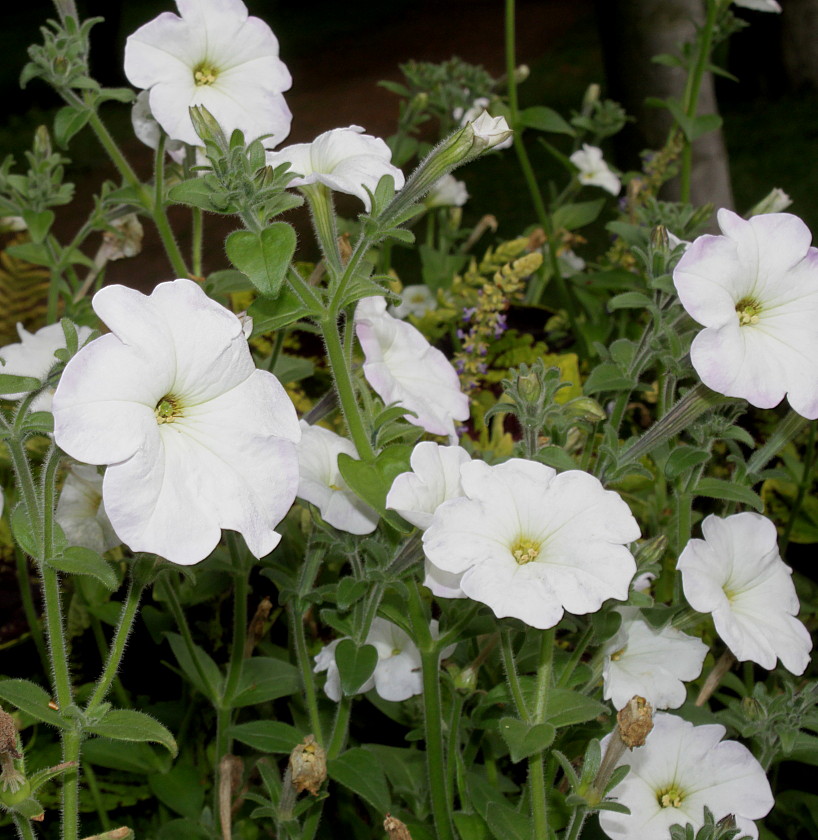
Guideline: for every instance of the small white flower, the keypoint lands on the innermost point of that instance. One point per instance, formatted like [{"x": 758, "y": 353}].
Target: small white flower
[
  {"x": 533, "y": 544},
  {"x": 416, "y": 495},
  {"x": 593, "y": 171},
  {"x": 737, "y": 574},
  {"x": 570, "y": 263},
  {"x": 81, "y": 513},
  {"x": 34, "y": 356},
  {"x": 343, "y": 159},
  {"x": 322, "y": 484},
  {"x": 216, "y": 56},
  {"x": 195, "y": 437},
  {"x": 486, "y": 126},
  {"x": 447, "y": 192},
  {"x": 759, "y": 5},
  {"x": 415, "y": 300},
  {"x": 397, "y": 675},
  {"x": 403, "y": 368},
  {"x": 680, "y": 769},
  {"x": 755, "y": 290},
  {"x": 653, "y": 664}
]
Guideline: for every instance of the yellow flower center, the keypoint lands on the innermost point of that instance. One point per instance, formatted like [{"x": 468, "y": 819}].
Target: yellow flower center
[
  {"x": 204, "y": 74},
  {"x": 525, "y": 550},
  {"x": 748, "y": 310},
  {"x": 670, "y": 797},
  {"x": 168, "y": 409},
  {"x": 617, "y": 655}
]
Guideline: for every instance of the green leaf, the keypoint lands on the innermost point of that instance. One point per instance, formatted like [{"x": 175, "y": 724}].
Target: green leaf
[
  {"x": 355, "y": 664},
  {"x": 557, "y": 457},
  {"x": 133, "y": 756},
  {"x": 77, "y": 560},
  {"x": 29, "y": 808},
  {"x": 349, "y": 591},
  {"x": 271, "y": 315},
  {"x": 573, "y": 216},
  {"x": 184, "y": 830},
  {"x": 606, "y": 377},
  {"x": 470, "y": 826},
  {"x": 182, "y": 789},
  {"x": 264, "y": 257},
  {"x": 356, "y": 771},
  {"x": 28, "y": 697},
  {"x": 506, "y": 823},
  {"x": 541, "y": 118},
  {"x": 196, "y": 193},
  {"x": 726, "y": 491},
  {"x": 10, "y": 384},
  {"x": 265, "y": 678},
  {"x": 630, "y": 300},
  {"x": 271, "y": 736},
  {"x": 566, "y": 707},
  {"x": 524, "y": 739},
  {"x": 684, "y": 458},
  {"x": 292, "y": 368},
  {"x": 130, "y": 725},
  {"x": 38, "y": 223},
  {"x": 68, "y": 122},
  {"x": 22, "y": 529},
  {"x": 226, "y": 282},
  {"x": 213, "y": 689}
]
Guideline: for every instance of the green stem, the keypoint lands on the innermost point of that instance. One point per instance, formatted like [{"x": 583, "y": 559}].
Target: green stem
[
  {"x": 453, "y": 746},
  {"x": 305, "y": 667},
  {"x": 197, "y": 237},
  {"x": 24, "y": 828},
  {"x": 339, "y": 727},
  {"x": 782, "y": 434},
  {"x": 123, "y": 630},
  {"x": 71, "y": 741},
  {"x": 536, "y": 765},
  {"x": 55, "y": 636},
  {"x": 326, "y": 231},
  {"x": 803, "y": 486},
  {"x": 511, "y": 675},
  {"x": 33, "y": 620},
  {"x": 122, "y": 698},
  {"x": 345, "y": 388},
  {"x": 160, "y": 218}
]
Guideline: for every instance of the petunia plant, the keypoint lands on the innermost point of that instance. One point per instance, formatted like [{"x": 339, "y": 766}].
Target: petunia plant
[{"x": 346, "y": 547}]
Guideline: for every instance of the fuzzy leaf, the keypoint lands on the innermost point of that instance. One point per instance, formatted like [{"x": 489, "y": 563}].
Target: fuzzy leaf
[
  {"x": 355, "y": 664},
  {"x": 356, "y": 771},
  {"x": 28, "y": 697},
  {"x": 524, "y": 739},
  {"x": 271, "y": 736},
  {"x": 264, "y": 257},
  {"x": 130, "y": 725},
  {"x": 83, "y": 561}
]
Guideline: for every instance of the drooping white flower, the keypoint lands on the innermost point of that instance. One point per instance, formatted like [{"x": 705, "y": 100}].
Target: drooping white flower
[
  {"x": 396, "y": 677},
  {"x": 195, "y": 437},
  {"x": 343, "y": 159},
  {"x": 593, "y": 171},
  {"x": 680, "y": 769},
  {"x": 416, "y": 495},
  {"x": 415, "y": 300},
  {"x": 322, "y": 484},
  {"x": 403, "y": 368},
  {"x": 736, "y": 574},
  {"x": 34, "y": 356},
  {"x": 759, "y": 5},
  {"x": 81, "y": 513},
  {"x": 494, "y": 131},
  {"x": 533, "y": 544},
  {"x": 447, "y": 192},
  {"x": 215, "y": 56},
  {"x": 149, "y": 131},
  {"x": 654, "y": 664},
  {"x": 755, "y": 290}
]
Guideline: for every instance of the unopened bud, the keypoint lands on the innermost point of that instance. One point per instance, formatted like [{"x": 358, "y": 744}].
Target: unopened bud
[
  {"x": 635, "y": 721},
  {"x": 751, "y": 708},
  {"x": 396, "y": 829},
  {"x": 651, "y": 551},
  {"x": 521, "y": 73},
  {"x": 591, "y": 97},
  {"x": 587, "y": 408},
  {"x": 727, "y": 822},
  {"x": 659, "y": 239},
  {"x": 776, "y": 201},
  {"x": 42, "y": 142},
  {"x": 308, "y": 766},
  {"x": 464, "y": 679},
  {"x": 529, "y": 386},
  {"x": 206, "y": 126}
]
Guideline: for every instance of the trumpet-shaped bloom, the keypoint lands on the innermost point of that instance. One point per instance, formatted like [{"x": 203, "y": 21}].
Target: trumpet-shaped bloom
[
  {"x": 216, "y": 56},
  {"x": 654, "y": 664},
  {"x": 322, "y": 484},
  {"x": 755, "y": 290},
  {"x": 149, "y": 131},
  {"x": 81, "y": 513},
  {"x": 415, "y": 300},
  {"x": 403, "y": 368},
  {"x": 34, "y": 356},
  {"x": 195, "y": 437},
  {"x": 680, "y": 769},
  {"x": 737, "y": 574},
  {"x": 532, "y": 544},
  {"x": 493, "y": 131},
  {"x": 397, "y": 676},
  {"x": 593, "y": 171},
  {"x": 343, "y": 159}
]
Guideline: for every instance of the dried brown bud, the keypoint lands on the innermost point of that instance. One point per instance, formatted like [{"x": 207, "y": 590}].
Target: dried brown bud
[
  {"x": 8, "y": 735},
  {"x": 635, "y": 721},
  {"x": 308, "y": 766},
  {"x": 396, "y": 829},
  {"x": 345, "y": 248},
  {"x": 123, "y": 240},
  {"x": 114, "y": 834},
  {"x": 255, "y": 632}
]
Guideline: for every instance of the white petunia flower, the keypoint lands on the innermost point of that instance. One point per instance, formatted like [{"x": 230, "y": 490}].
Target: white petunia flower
[
  {"x": 415, "y": 300},
  {"x": 593, "y": 171},
  {"x": 680, "y": 769},
  {"x": 403, "y": 368},
  {"x": 737, "y": 574},
  {"x": 755, "y": 290},
  {"x": 653, "y": 664},
  {"x": 34, "y": 356},
  {"x": 215, "y": 56},
  {"x": 493, "y": 129},
  {"x": 195, "y": 437},
  {"x": 416, "y": 495},
  {"x": 447, "y": 192},
  {"x": 397, "y": 676},
  {"x": 149, "y": 131},
  {"x": 343, "y": 159},
  {"x": 81, "y": 513},
  {"x": 533, "y": 544},
  {"x": 322, "y": 484},
  {"x": 759, "y": 5}
]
